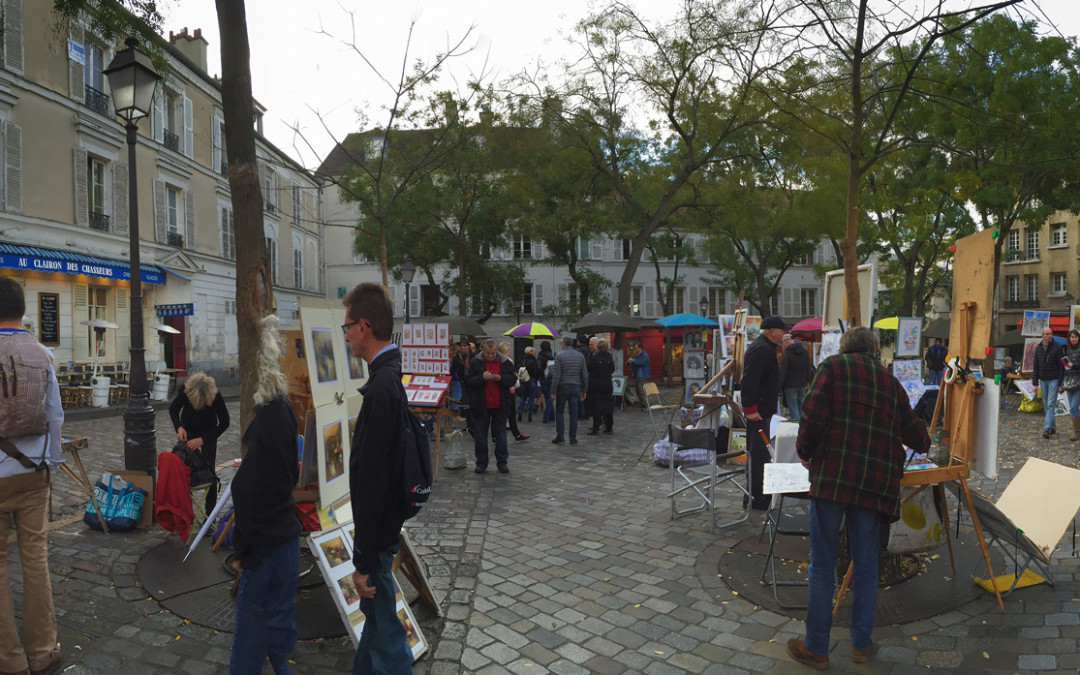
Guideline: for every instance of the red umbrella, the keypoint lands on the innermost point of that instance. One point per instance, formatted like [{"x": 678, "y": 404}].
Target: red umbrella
[{"x": 807, "y": 329}]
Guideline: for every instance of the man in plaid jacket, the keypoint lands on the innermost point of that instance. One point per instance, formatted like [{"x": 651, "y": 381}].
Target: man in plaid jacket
[{"x": 856, "y": 421}]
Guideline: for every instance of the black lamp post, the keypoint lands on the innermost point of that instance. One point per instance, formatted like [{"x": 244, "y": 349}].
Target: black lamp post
[
  {"x": 516, "y": 303},
  {"x": 408, "y": 271},
  {"x": 704, "y": 303},
  {"x": 132, "y": 79}
]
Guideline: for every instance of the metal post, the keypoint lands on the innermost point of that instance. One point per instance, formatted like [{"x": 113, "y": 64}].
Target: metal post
[{"x": 140, "y": 448}]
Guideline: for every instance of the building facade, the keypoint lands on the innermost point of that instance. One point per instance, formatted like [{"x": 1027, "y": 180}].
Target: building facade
[
  {"x": 64, "y": 221},
  {"x": 1040, "y": 270}
]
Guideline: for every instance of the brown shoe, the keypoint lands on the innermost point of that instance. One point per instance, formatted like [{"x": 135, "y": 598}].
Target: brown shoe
[
  {"x": 1046, "y": 433},
  {"x": 798, "y": 651},
  {"x": 54, "y": 664},
  {"x": 861, "y": 655}
]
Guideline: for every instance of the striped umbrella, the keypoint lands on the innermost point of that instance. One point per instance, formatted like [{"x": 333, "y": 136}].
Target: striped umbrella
[{"x": 533, "y": 329}]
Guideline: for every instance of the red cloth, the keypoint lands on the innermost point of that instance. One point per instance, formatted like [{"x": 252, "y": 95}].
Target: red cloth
[
  {"x": 172, "y": 495},
  {"x": 492, "y": 395}
]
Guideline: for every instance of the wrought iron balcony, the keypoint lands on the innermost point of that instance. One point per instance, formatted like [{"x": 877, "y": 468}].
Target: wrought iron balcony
[
  {"x": 99, "y": 221},
  {"x": 1020, "y": 304},
  {"x": 172, "y": 141},
  {"x": 174, "y": 239},
  {"x": 96, "y": 100}
]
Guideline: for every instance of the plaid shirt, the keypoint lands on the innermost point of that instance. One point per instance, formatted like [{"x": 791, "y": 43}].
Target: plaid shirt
[{"x": 856, "y": 420}]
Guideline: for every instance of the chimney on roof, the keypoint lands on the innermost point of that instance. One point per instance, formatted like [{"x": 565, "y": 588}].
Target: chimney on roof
[{"x": 191, "y": 45}]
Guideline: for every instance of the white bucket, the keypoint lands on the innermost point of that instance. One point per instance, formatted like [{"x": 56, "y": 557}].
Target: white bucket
[
  {"x": 100, "y": 395},
  {"x": 160, "y": 392}
]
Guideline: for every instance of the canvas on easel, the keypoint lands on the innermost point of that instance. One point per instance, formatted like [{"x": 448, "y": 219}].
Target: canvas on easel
[{"x": 325, "y": 354}]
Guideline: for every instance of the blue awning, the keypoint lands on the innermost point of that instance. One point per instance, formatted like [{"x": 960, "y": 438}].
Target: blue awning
[
  {"x": 174, "y": 273},
  {"x": 178, "y": 309},
  {"x": 64, "y": 262}
]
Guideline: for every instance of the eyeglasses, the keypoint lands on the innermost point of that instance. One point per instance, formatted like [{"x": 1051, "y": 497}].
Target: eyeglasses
[{"x": 346, "y": 326}]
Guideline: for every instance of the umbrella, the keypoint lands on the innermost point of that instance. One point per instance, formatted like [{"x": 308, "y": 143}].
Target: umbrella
[
  {"x": 459, "y": 325},
  {"x": 162, "y": 328},
  {"x": 606, "y": 321},
  {"x": 532, "y": 329},
  {"x": 937, "y": 329},
  {"x": 1010, "y": 338},
  {"x": 808, "y": 325},
  {"x": 685, "y": 319},
  {"x": 99, "y": 323},
  {"x": 889, "y": 323}
]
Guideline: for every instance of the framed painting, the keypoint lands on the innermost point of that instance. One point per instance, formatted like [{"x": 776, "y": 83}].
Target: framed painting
[
  {"x": 907, "y": 370},
  {"x": 1074, "y": 317},
  {"x": 1027, "y": 364},
  {"x": 692, "y": 387},
  {"x": 618, "y": 385},
  {"x": 1034, "y": 323},
  {"x": 908, "y": 337}
]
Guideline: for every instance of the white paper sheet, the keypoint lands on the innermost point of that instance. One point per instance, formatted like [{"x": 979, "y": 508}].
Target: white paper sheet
[{"x": 785, "y": 478}]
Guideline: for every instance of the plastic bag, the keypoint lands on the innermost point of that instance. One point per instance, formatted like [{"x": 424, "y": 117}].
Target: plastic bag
[
  {"x": 120, "y": 503},
  {"x": 453, "y": 450}
]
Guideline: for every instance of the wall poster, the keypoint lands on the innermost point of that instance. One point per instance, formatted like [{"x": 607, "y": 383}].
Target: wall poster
[{"x": 49, "y": 319}]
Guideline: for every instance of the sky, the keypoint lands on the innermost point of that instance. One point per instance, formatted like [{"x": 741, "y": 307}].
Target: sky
[{"x": 312, "y": 82}]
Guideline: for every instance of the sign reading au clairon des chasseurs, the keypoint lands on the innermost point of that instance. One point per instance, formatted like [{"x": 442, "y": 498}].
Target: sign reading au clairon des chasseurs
[{"x": 102, "y": 270}]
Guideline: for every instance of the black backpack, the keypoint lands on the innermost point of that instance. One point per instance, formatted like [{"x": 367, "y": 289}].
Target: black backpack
[{"x": 416, "y": 463}]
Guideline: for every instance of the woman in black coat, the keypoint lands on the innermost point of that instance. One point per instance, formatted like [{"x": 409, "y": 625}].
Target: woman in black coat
[
  {"x": 199, "y": 417},
  {"x": 600, "y": 401}
]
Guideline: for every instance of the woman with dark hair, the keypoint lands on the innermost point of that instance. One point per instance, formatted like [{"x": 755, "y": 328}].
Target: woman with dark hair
[
  {"x": 527, "y": 390},
  {"x": 504, "y": 349},
  {"x": 599, "y": 399},
  {"x": 546, "y": 357},
  {"x": 199, "y": 417},
  {"x": 1071, "y": 381}
]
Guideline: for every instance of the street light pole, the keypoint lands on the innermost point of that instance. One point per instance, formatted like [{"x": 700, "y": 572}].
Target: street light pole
[
  {"x": 132, "y": 79},
  {"x": 408, "y": 271}
]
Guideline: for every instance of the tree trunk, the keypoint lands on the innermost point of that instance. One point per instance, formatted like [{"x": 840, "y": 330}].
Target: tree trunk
[{"x": 254, "y": 291}]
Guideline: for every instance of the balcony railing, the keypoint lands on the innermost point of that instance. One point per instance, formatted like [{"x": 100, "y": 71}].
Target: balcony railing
[
  {"x": 99, "y": 221},
  {"x": 1014, "y": 255},
  {"x": 96, "y": 100},
  {"x": 174, "y": 239},
  {"x": 1021, "y": 304},
  {"x": 172, "y": 141}
]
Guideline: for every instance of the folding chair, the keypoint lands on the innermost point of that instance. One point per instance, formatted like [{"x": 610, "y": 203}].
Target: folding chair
[
  {"x": 657, "y": 408},
  {"x": 778, "y": 522},
  {"x": 701, "y": 474}
]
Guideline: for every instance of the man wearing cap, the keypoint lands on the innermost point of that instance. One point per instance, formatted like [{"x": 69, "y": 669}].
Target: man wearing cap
[
  {"x": 760, "y": 389},
  {"x": 459, "y": 367},
  {"x": 795, "y": 373}
]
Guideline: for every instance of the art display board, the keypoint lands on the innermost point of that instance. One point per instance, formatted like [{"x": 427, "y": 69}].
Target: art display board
[
  {"x": 907, "y": 370},
  {"x": 354, "y": 367},
  {"x": 908, "y": 337},
  {"x": 1034, "y": 322},
  {"x": 915, "y": 390},
  {"x": 973, "y": 281},
  {"x": 830, "y": 346},
  {"x": 781, "y": 478},
  {"x": 425, "y": 390},
  {"x": 332, "y": 441},
  {"x": 333, "y": 550},
  {"x": 724, "y": 339},
  {"x": 1042, "y": 501},
  {"x": 752, "y": 328},
  {"x": 1026, "y": 388},
  {"x": 618, "y": 385},
  {"x": 690, "y": 388},
  {"x": 693, "y": 365},
  {"x": 326, "y": 355},
  {"x": 425, "y": 348},
  {"x": 985, "y": 440},
  {"x": 833, "y": 304},
  {"x": 1027, "y": 363},
  {"x": 1074, "y": 317}
]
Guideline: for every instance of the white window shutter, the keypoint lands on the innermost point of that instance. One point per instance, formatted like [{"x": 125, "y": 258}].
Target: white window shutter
[
  {"x": 538, "y": 299},
  {"x": 75, "y": 69},
  {"x": 564, "y": 292},
  {"x": 13, "y": 35},
  {"x": 651, "y": 306},
  {"x": 596, "y": 249},
  {"x": 121, "y": 298},
  {"x": 157, "y": 116},
  {"x": 80, "y": 344},
  {"x": 609, "y": 249},
  {"x": 159, "y": 211},
  {"x": 82, "y": 197},
  {"x": 189, "y": 219},
  {"x": 414, "y": 300},
  {"x": 537, "y": 249},
  {"x": 120, "y": 197},
  {"x": 189, "y": 128},
  {"x": 692, "y": 300},
  {"x": 215, "y": 135},
  {"x": 12, "y": 167}
]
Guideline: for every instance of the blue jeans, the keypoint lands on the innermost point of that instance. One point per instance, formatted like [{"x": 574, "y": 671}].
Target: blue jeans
[
  {"x": 1049, "y": 397},
  {"x": 384, "y": 646},
  {"x": 1074, "y": 402},
  {"x": 549, "y": 404},
  {"x": 527, "y": 392},
  {"x": 935, "y": 377},
  {"x": 493, "y": 421},
  {"x": 568, "y": 393},
  {"x": 792, "y": 399},
  {"x": 266, "y": 612},
  {"x": 863, "y": 538}
]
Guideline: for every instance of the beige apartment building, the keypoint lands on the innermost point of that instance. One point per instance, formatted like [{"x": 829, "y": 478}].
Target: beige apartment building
[
  {"x": 64, "y": 218},
  {"x": 1040, "y": 269}
]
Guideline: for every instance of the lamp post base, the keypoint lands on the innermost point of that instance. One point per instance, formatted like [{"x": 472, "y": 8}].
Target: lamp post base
[{"x": 140, "y": 446}]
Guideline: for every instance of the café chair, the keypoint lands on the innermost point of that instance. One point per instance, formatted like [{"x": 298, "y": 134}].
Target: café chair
[
  {"x": 660, "y": 414},
  {"x": 697, "y": 474}
]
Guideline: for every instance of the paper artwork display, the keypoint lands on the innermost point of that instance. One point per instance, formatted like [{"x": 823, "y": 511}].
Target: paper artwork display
[
  {"x": 356, "y": 364},
  {"x": 915, "y": 390},
  {"x": 1027, "y": 364},
  {"x": 618, "y": 385},
  {"x": 1074, "y": 317},
  {"x": 326, "y": 353},
  {"x": 323, "y": 352},
  {"x": 692, "y": 341},
  {"x": 694, "y": 365},
  {"x": 830, "y": 346},
  {"x": 753, "y": 328},
  {"x": 785, "y": 478},
  {"x": 1034, "y": 323},
  {"x": 1026, "y": 388},
  {"x": 727, "y": 323},
  {"x": 909, "y": 337},
  {"x": 333, "y": 548},
  {"x": 737, "y": 440},
  {"x": 906, "y": 371},
  {"x": 334, "y": 451},
  {"x": 692, "y": 387}
]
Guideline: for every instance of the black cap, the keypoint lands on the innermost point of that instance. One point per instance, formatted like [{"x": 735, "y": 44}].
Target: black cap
[
  {"x": 773, "y": 322},
  {"x": 463, "y": 340},
  {"x": 583, "y": 338}
]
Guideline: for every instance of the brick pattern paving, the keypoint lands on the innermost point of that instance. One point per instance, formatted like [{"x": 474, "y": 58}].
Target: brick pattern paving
[{"x": 569, "y": 564}]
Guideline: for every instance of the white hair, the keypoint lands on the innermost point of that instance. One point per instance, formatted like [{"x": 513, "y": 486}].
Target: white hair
[{"x": 270, "y": 382}]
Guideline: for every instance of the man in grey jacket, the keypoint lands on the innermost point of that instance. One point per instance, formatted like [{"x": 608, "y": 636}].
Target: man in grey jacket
[{"x": 569, "y": 381}]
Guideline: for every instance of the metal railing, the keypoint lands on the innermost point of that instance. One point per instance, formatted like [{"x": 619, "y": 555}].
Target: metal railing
[
  {"x": 1020, "y": 304},
  {"x": 172, "y": 141},
  {"x": 1015, "y": 255},
  {"x": 99, "y": 221},
  {"x": 96, "y": 100},
  {"x": 174, "y": 239}
]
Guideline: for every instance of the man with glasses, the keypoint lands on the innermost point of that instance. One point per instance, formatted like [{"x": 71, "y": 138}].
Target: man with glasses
[{"x": 1048, "y": 371}]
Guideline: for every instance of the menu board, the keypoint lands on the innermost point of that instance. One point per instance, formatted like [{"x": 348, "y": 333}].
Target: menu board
[{"x": 49, "y": 318}]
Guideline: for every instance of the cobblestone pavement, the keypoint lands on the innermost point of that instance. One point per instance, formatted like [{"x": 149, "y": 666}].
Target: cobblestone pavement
[{"x": 569, "y": 564}]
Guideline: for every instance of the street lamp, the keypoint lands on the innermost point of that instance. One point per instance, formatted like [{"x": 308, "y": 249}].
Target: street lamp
[
  {"x": 132, "y": 79},
  {"x": 408, "y": 271},
  {"x": 704, "y": 304},
  {"x": 516, "y": 304}
]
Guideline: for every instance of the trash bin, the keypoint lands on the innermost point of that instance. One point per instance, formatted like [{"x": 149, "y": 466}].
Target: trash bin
[
  {"x": 99, "y": 397},
  {"x": 160, "y": 392}
]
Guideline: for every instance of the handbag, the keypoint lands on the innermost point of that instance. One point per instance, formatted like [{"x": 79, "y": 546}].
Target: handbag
[
  {"x": 120, "y": 503},
  {"x": 523, "y": 374},
  {"x": 1071, "y": 381},
  {"x": 201, "y": 471}
]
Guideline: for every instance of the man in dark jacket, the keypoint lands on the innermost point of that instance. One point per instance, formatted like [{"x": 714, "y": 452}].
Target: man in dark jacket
[
  {"x": 935, "y": 361},
  {"x": 795, "y": 369},
  {"x": 1048, "y": 371},
  {"x": 376, "y": 465},
  {"x": 856, "y": 422},
  {"x": 488, "y": 383},
  {"x": 760, "y": 388}
]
